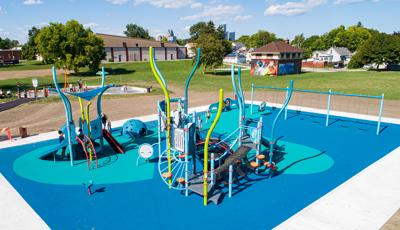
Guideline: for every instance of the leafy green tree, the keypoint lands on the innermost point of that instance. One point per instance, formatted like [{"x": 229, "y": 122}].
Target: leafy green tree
[
  {"x": 379, "y": 49},
  {"x": 204, "y": 28},
  {"x": 245, "y": 39},
  {"x": 298, "y": 41},
  {"x": 70, "y": 45},
  {"x": 164, "y": 39},
  {"x": 212, "y": 43},
  {"x": 8, "y": 43},
  {"x": 136, "y": 31},
  {"x": 29, "y": 49},
  {"x": 212, "y": 50},
  {"x": 261, "y": 38}
]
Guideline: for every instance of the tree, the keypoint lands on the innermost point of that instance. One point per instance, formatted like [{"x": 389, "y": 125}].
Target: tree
[
  {"x": 245, "y": 39},
  {"x": 212, "y": 50},
  {"x": 211, "y": 40},
  {"x": 298, "y": 41},
  {"x": 204, "y": 28},
  {"x": 379, "y": 49},
  {"x": 136, "y": 31},
  {"x": 70, "y": 45},
  {"x": 29, "y": 49},
  {"x": 8, "y": 43},
  {"x": 261, "y": 38}
]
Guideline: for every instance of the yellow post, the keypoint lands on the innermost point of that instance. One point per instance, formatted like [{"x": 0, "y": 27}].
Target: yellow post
[
  {"x": 220, "y": 107},
  {"x": 168, "y": 109},
  {"x": 88, "y": 118},
  {"x": 82, "y": 111}
]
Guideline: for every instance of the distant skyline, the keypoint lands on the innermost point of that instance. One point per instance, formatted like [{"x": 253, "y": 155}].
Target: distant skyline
[{"x": 285, "y": 18}]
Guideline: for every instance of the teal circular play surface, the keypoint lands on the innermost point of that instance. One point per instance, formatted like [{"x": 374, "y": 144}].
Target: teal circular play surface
[
  {"x": 301, "y": 159},
  {"x": 116, "y": 168}
]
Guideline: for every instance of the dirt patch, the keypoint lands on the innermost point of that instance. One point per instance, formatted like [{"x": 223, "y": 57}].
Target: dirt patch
[{"x": 38, "y": 118}]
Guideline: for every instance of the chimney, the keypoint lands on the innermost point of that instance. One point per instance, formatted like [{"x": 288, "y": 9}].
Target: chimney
[{"x": 287, "y": 41}]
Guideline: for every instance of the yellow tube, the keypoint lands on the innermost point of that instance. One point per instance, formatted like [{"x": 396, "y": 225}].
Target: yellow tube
[
  {"x": 168, "y": 111},
  {"x": 220, "y": 107},
  {"x": 88, "y": 118},
  {"x": 82, "y": 111}
]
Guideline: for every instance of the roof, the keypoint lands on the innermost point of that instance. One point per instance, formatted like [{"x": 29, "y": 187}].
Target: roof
[
  {"x": 342, "y": 51},
  {"x": 118, "y": 41},
  {"x": 278, "y": 47}
]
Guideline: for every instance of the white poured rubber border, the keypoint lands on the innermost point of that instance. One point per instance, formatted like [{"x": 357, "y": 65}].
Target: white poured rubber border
[{"x": 365, "y": 201}]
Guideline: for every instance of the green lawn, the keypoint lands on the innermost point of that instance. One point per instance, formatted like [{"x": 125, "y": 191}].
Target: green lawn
[
  {"x": 139, "y": 74},
  {"x": 25, "y": 65}
]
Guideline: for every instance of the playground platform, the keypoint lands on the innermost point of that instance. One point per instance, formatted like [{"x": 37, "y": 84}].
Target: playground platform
[{"x": 356, "y": 189}]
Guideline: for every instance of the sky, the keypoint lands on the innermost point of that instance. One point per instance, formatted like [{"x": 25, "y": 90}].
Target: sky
[{"x": 285, "y": 18}]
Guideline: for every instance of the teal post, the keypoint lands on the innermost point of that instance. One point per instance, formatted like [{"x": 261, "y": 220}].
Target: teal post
[
  {"x": 287, "y": 92},
  {"x": 230, "y": 181},
  {"x": 186, "y": 100},
  {"x": 272, "y": 142},
  {"x": 328, "y": 109},
  {"x": 378, "y": 128},
  {"x": 252, "y": 98}
]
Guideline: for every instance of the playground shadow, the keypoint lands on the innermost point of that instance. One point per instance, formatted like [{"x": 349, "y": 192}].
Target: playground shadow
[
  {"x": 337, "y": 121},
  {"x": 279, "y": 172}
]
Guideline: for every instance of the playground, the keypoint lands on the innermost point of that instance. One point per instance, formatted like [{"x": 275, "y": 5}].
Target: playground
[{"x": 236, "y": 164}]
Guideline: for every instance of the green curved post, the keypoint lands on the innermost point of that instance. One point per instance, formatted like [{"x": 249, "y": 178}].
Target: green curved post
[
  {"x": 160, "y": 79},
  {"x": 186, "y": 103},
  {"x": 272, "y": 142},
  {"x": 205, "y": 183}
]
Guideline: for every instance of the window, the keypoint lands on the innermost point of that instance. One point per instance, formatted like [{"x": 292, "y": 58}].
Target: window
[{"x": 137, "y": 45}]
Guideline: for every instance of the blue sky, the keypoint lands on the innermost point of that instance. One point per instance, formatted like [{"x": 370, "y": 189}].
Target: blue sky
[{"x": 286, "y": 18}]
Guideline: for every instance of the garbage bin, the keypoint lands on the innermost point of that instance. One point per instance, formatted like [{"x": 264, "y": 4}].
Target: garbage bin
[{"x": 23, "y": 132}]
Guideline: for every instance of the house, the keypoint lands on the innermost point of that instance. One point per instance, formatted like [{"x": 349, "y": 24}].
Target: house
[
  {"x": 276, "y": 58},
  {"x": 238, "y": 47},
  {"x": 234, "y": 58},
  {"x": 122, "y": 49},
  {"x": 333, "y": 55},
  {"x": 10, "y": 56},
  {"x": 190, "y": 49}
]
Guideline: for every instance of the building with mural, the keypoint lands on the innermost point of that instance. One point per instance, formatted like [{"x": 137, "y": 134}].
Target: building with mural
[{"x": 276, "y": 58}]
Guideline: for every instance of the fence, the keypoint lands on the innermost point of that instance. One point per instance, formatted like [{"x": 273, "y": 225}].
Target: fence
[{"x": 301, "y": 100}]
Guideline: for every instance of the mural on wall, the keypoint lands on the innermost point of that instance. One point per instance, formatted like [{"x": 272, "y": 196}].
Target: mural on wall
[
  {"x": 286, "y": 68},
  {"x": 264, "y": 67}
]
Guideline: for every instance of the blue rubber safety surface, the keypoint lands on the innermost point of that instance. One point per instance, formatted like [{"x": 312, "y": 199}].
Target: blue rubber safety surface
[{"x": 258, "y": 204}]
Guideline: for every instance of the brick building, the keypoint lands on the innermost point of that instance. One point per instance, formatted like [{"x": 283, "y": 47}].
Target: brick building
[
  {"x": 276, "y": 58},
  {"x": 122, "y": 49},
  {"x": 10, "y": 56}
]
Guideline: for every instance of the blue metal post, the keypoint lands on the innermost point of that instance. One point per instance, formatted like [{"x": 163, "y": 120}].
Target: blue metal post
[
  {"x": 328, "y": 109},
  {"x": 272, "y": 143},
  {"x": 238, "y": 96},
  {"x": 252, "y": 98},
  {"x": 230, "y": 181},
  {"x": 159, "y": 129},
  {"x": 68, "y": 114},
  {"x": 287, "y": 92},
  {"x": 212, "y": 168},
  {"x": 186, "y": 101},
  {"x": 258, "y": 140},
  {"x": 186, "y": 136},
  {"x": 378, "y": 128}
]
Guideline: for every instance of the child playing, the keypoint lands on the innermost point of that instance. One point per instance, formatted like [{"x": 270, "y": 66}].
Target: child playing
[
  {"x": 208, "y": 116},
  {"x": 61, "y": 139}
]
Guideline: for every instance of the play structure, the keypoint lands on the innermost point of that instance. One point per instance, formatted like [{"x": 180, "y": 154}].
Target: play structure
[
  {"x": 330, "y": 95},
  {"x": 90, "y": 130},
  {"x": 223, "y": 160}
]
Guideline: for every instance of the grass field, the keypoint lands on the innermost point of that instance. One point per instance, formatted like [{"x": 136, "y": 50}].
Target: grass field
[
  {"x": 25, "y": 65},
  {"x": 139, "y": 74}
]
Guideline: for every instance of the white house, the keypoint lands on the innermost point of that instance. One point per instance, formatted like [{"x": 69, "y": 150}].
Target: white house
[
  {"x": 333, "y": 54},
  {"x": 235, "y": 58},
  {"x": 191, "y": 49}
]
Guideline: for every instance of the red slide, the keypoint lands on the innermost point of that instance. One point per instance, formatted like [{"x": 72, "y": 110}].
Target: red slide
[{"x": 113, "y": 143}]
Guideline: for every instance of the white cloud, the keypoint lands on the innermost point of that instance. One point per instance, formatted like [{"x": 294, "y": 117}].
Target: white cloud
[
  {"x": 196, "y": 5},
  {"x": 342, "y": 2},
  {"x": 240, "y": 18},
  {"x": 118, "y": 2},
  {"x": 293, "y": 8},
  {"x": 215, "y": 12},
  {"x": 90, "y": 25},
  {"x": 33, "y": 2},
  {"x": 169, "y": 4}
]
